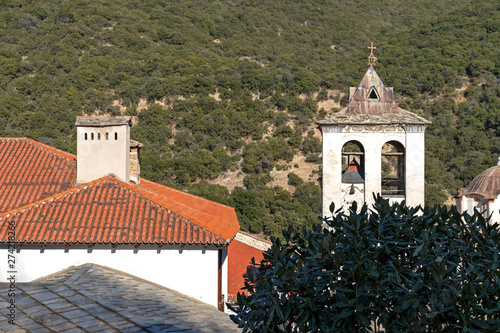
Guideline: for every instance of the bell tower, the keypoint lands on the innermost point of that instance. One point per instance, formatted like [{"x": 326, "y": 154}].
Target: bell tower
[{"x": 372, "y": 146}]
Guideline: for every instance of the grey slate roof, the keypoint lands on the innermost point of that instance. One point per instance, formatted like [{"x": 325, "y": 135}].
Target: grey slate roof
[
  {"x": 93, "y": 298},
  {"x": 102, "y": 121},
  {"x": 364, "y": 108}
]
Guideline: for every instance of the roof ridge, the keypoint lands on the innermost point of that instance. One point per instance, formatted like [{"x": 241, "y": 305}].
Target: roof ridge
[
  {"x": 52, "y": 197},
  {"x": 78, "y": 273},
  {"x": 153, "y": 197},
  {"x": 191, "y": 211}
]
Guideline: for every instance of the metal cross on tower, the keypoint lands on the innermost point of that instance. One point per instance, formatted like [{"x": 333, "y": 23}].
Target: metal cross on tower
[{"x": 372, "y": 59}]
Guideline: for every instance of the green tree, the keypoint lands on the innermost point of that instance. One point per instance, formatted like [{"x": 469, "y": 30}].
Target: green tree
[{"x": 393, "y": 269}]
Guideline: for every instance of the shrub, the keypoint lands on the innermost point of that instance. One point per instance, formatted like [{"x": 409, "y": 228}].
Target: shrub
[
  {"x": 392, "y": 269},
  {"x": 294, "y": 179}
]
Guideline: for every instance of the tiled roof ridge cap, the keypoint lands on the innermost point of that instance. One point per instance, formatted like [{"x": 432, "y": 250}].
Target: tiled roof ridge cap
[
  {"x": 153, "y": 197},
  {"x": 78, "y": 273},
  {"x": 52, "y": 197},
  {"x": 250, "y": 240},
  {"x": 50, "y": 149}
]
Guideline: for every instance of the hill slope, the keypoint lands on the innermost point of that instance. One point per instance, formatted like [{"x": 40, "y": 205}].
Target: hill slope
[{"x": 236, "y": 86}]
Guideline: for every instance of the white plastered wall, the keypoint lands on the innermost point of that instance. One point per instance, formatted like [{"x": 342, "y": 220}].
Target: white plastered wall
[
  {"x": 494, "y": 209},
  {"x": 467, "y": 204},
  {"x": 191, "y": 271},
  {"x": 415, "y": 165},
  {"x": 334, "y": 138},
  {"x": 225, "y": 260}
]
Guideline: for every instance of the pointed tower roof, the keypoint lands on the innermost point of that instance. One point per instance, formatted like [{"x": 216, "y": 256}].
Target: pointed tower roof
[{"x": 373, "y": 103}]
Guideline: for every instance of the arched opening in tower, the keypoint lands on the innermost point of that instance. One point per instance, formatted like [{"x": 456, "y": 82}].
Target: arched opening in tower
[
  {"x": 353, "y": 174},
  {"x": 393, "y": 169}
]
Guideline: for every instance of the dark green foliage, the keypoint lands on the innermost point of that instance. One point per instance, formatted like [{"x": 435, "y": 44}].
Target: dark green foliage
[
  {"x": 258, "y": 158},
  {"x": 434, "y": 195},
  {"x": 309, "y": 194},
  {"x": 311, "y": 144},
  {"x": 212, "y": 192},
  {"x": 255, "y": 181},
  {"x": 270, "y": 210},
  {"x": 394, "y": 269},
  {"x": 294, "y": 179}
]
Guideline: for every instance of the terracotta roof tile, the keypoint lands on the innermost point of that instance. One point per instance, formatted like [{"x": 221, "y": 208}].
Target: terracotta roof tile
[
  {"x": 57, "y": 219},
  {"x": 30, "y": 171},
  {"x": 36, "y": 191},
  {"x": 240, "y": 256},
  {"x": 223, "y": 221}
]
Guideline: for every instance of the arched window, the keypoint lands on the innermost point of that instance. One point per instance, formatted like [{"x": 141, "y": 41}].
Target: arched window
[
  {"x": 393, "y": 169},
  {"x": 353, "y": 163}
]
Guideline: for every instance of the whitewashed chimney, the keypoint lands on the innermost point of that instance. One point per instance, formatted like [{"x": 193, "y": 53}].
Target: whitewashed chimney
[{"x": 103, "y": 148}]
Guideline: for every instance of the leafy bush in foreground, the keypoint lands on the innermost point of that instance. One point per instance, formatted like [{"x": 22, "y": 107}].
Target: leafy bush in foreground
[{"x": 393, "y": 269}]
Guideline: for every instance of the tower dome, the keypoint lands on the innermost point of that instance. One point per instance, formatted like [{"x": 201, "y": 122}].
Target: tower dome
[
  {"x": 483, "y": 194},
  {"x": 486, "y": 184}
]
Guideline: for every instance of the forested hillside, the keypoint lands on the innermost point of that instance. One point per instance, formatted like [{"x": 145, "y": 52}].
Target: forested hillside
[{"x": 237, "y": 86}]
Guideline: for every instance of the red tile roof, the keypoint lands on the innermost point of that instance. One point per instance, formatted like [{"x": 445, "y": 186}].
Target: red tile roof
[
  {"x": 30, "y": 171},
  {"x": 216, "y": 218},
  {"x": 102, "y": 211},
  {"x": 240, "y": 256}
]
